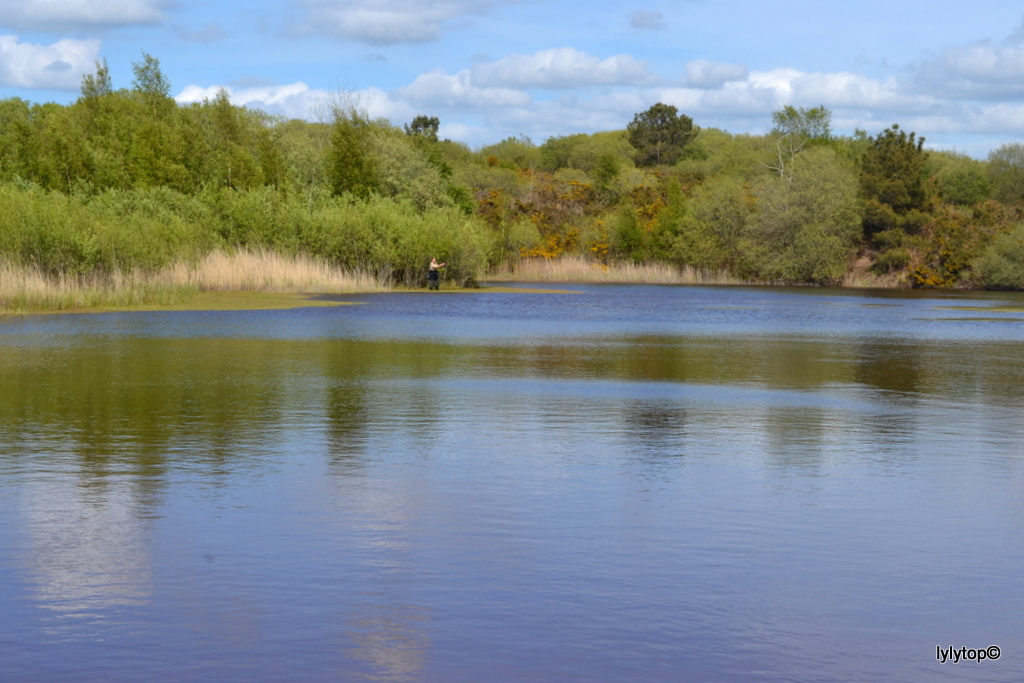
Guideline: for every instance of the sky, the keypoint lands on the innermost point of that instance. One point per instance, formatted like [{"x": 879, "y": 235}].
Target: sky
[{"x": 493, "y": 69}]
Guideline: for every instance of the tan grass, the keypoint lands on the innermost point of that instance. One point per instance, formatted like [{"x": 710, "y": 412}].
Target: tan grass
[
  {"x": 265, "y": 271},
  {"x": 579, "y": 269},
  {"x": 865, "y": 280},
  {"x": 860, "y": 276},
  {"x": 26, "y": 289}
]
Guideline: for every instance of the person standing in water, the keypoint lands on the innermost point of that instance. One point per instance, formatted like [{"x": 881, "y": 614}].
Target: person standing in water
[{"x": 433, "y": 281}]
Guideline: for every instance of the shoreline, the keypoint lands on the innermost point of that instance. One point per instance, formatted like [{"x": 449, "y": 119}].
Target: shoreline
[
  {"x": 247, "y": 300},
  {"x": 260, "y": 280},
  {"x": 241, "y": 300}
]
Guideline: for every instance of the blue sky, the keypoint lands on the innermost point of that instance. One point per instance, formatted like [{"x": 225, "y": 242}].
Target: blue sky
[{"x": 491, "y": 69}]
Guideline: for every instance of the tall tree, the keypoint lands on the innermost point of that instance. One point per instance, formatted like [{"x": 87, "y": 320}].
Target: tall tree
[
  {"x": 803, "y": 123},
  {"x": 805, "y": 226},
  {"x": 660, "y": 134},
  {"x": 426, "y": 126},
  {"x": 892, "y": 180},
  {"x": 15, "y": 130},
  {"x": 1006, "y": 172},
  {"x": 351, "y": 166},
  {"x": 98, "y": 84},
  {"x": 793, "y": 130},
  {"x": 152, "y": 85}
]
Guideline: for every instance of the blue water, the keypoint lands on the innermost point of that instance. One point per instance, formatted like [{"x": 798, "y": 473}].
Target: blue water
[{"x": 615, "y": 483}]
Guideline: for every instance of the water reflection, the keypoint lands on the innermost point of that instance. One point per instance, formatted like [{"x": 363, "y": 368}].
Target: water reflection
[
  {"x": 88, "y": 553},
  {"x": 888, "y": 366},
  {"x": 391, "y": 639},
  {"x": 347, "y": 417},
  {"x": 693, "y": 480}
]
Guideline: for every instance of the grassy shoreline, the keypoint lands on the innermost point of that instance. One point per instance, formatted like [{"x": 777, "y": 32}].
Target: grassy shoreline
[
  {"x": 263, "y": 279},
  {"x": 582, "y": 270},
  {"x": 578, "y": 269},
  {"x": 243, "y": 279}
]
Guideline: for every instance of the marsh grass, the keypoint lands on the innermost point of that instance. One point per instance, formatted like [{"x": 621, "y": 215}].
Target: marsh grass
[
  {"x": 266, "y": 271},
  {"x": 578, "y": 269},
  {"x": 28, "y": 289},
  {"x": 868, "y": 280}
]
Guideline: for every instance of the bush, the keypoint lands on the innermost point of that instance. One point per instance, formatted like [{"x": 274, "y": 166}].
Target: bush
[
  {"x": 391, "y": 239},
  {"x": 1001, "y": 265}
]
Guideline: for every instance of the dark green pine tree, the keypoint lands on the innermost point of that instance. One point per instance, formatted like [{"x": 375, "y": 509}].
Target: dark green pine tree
[
  {"x": 660, "y": 134},
  {"x": 892, "y": 180}
]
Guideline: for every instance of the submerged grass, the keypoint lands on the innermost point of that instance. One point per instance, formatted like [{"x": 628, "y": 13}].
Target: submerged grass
[{"x": 25, "y": 289}]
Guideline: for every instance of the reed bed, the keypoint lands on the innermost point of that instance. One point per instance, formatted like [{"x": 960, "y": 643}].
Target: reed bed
[
  {"x": 266, "y": 271},
  {"x": 865, "y": 280},
  {"x": 28, "y": 289},
  {"x": 579, "y": 269}
]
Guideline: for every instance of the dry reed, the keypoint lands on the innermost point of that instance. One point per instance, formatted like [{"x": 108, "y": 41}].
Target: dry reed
[
  {"x": 266, "y": 271},
  {"x": 25, "y": 288},
  {"x": 579, "y": 269}
]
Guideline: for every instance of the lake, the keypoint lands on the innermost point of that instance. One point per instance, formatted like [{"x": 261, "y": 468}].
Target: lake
[{"x": 606, "y": 483}]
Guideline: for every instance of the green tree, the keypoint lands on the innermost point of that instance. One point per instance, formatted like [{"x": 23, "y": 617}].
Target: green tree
[
  {"x": 794, "y": 129},
  {"x": 718, "y": 153},
  {"x": 426, "y": 126},
  {"x": 513, "y": 152},
  {"x": 711, "y": 235},
  {"x": 660, "y": 134},
  {"x": 151, "y": 84},
  {"x": 803, "y": 123},
  {"x": 892, "y": 181},
  {"x": 1006, "y": 172},
  {"x": 234, "y": 142},
  {"x": 98, "y": 84},
  {"x": 15, "y": 131},
  {"x": 58, "y": 157},
  {"x": 959, "y": 179},
  {"x": 606, "y": 168},
  {"x": 585, "y": 152},
  {"x": 405, "y": 170},
  {"x": 1001, "y": 265},
  {"x": 149, "y": 78},
  {"x": 805, "y": 225},
  {"x": 351, "y": 166}
]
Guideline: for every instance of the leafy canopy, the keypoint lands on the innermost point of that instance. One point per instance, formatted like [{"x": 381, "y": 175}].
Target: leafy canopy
[
  {"x": 660, "y": 134},
  {"x": 892, "y": 179}
]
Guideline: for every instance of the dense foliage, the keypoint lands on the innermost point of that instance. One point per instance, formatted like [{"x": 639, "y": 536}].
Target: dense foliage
[{"x": 127, "y": 179}]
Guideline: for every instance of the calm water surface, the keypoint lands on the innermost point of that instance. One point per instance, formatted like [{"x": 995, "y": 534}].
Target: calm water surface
[{"x": 617, "y": 483}]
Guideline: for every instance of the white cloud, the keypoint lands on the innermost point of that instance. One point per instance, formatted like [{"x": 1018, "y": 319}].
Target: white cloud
[
  {"x": 46, "y": 67},
  {"x": 651, "y": 21},
  {"x": 79, "y": 14},
  {"x": 562, "y": 68},
  {"x": 564, "y": 91},
  {"x": 981, "y": 71},
  {"x": 439, "y": 88},
  {"x": 779, "y": 87},
  {"x": 293, "y": 100},
  {"x": 701, "y": 73},
  {"x": 1000, "y": 119},
  {"x": 852, "y": 90},
  {"x": 385, "y": 22},
  {"x": 299, "y": 101}
]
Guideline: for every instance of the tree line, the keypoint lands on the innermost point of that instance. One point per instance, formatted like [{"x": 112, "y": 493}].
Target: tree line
[{"x": 127, "y": 179}]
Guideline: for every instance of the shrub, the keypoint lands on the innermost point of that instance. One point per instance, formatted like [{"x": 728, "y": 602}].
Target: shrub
[{"x": 1001, "y": 265}]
